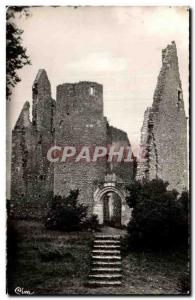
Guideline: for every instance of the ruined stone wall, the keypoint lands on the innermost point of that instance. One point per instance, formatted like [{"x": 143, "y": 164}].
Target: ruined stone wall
[
  {"x": 118, "y": 138},
  {"x": 20, "y": 139},
  {"x": 75, "y": 119},
  {"x": 165, "y": 136},
  {"x": 79, "y": 122},
  {"x": 40, "y": 169},
  {"x": 143, "y": 165},
  {"x": 32, "y": 173}
]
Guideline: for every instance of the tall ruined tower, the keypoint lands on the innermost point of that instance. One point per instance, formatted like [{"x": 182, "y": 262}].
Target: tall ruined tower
[
  {"x": 32, "y": 173},
  {"x": 79, "y": 122},
  {"x": 164, "y": 131},
  {"x": 43, "y": 110}
]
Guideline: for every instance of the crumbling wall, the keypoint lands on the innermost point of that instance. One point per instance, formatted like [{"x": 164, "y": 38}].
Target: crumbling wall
[
  {"x": 165, "y": 138},
  {"x": 124, "y": 170},
  {"x": 40, "y": 169},
  {"x": 20, "y": 139},
  {"x": 75, "y": 119},
  {"x": 32, "y": 173}
]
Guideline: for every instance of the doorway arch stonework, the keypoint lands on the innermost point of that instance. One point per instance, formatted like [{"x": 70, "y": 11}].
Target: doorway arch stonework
[{"x": 102, "y": 190}]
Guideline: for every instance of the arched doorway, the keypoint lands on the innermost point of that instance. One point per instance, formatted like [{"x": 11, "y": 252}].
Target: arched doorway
[
  {"x": 110, "y": 206},
  {"x": 111, "y": 209}
]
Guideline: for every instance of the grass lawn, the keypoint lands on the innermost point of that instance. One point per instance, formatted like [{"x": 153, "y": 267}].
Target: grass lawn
[
  {"x": 154, "y": 273},
  {"x": 52, "y": 262}
]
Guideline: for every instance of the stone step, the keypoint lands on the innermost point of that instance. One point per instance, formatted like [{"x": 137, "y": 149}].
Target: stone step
[
  {"x": 101, "y": 269},
  {"x": 108, "y": 237},
  {"x": 106, "y": 247},
  {"x": 105, "y": 276},
  {"x": 97, "y": 283},
  {"x": 106, "y": 242},
  {"x": 106, "y": 263},
  {"x": 101, "y": 251},
  {"x": 102, "y": 257}
]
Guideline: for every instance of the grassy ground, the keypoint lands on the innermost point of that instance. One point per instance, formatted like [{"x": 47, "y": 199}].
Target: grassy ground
[
  {"x": 155, "y": 273},
  {"x": 48, "y": 262},
  {"x": 51, "y": 262}
]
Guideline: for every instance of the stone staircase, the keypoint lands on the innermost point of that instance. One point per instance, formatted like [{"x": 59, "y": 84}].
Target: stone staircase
[{"x": 106, "y": 261}]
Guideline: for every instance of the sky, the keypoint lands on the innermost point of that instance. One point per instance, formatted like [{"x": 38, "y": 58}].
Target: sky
[{"x": 119, "y": 47}]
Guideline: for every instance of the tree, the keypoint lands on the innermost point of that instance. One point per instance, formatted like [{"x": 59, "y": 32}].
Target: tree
[
  {"x": 16, "y": 56},
  {"x": 159, "y": 216},
  {"x": 65, "y": 213}
]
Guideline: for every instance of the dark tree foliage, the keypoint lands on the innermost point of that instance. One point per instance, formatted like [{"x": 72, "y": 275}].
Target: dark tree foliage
[
  {"x": 66, "y": 213},
  {"x": 16, "y": 56},
  {"x": 92, "y": 223},
  {"x": 159, "y": 216}
]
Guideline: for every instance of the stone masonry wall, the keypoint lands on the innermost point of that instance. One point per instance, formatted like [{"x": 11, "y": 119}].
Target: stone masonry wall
[
  {"x": 79, "y": 122},
  {"x": 75, "y": 119},
  {"x": 165, "y": 137},
  {"x": 32, "y": 173},
  {"x": 118, "y": 138},
  {"x": 20, "y": 139},
  {"x": 40, "y": 169}
]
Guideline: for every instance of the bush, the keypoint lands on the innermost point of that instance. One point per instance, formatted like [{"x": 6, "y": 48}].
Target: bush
[
  {"x": 66, "y": 213},
  {"x": 159, "y": 217},
  {"x": 92, "y": 223}
]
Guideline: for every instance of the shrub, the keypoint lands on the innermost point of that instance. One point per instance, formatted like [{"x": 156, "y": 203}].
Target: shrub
[
  {"x": 159, "y": 217},
  {"x": 65, "y": 213},
  {"x": 92, "y": 223}
]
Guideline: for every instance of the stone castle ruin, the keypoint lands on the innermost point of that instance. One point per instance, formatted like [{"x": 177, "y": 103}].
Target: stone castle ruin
[
  {"x": 164, "y": 130},
  {"x": 76, "y": 119}
]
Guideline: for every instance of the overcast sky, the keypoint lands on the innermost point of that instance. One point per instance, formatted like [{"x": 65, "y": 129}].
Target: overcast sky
[{"x": 119, "y": 47}]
